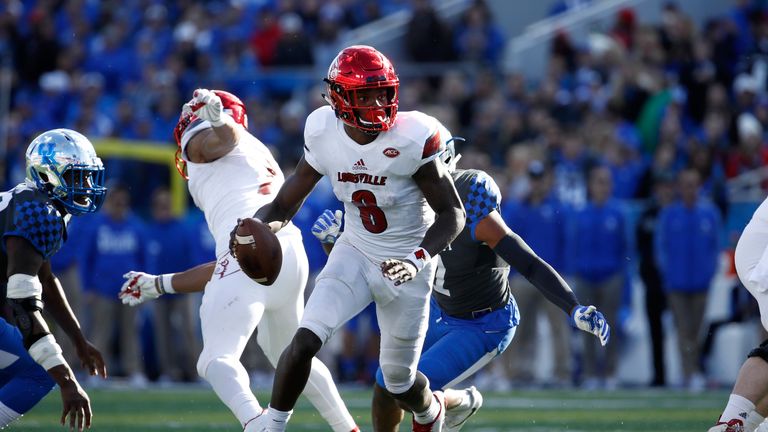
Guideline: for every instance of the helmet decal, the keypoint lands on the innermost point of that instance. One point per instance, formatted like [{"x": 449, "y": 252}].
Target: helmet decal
[{"x": 63, "y": 164}]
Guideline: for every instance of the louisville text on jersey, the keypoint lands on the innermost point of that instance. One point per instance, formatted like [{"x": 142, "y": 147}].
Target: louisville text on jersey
[{"x": 361, "y": 178}]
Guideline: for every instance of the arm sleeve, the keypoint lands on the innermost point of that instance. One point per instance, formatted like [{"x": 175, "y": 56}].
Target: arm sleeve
[
  {"x": 482, "y": 198},
  {"x": 519, "y": 255}
]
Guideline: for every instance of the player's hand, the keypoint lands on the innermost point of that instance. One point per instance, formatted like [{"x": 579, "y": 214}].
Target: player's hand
[
  {"x": 399, "y": 271},
  {"x": 326, "y": 228},
  {"x": 233, "y": 239},
  {"x": 206, "y": 105},
  {"x": 76, "y": 405},
  {"x": 589, "y": 319},
  {"x": 91, "y": 359},
  {"x": 138, "y": 288}
]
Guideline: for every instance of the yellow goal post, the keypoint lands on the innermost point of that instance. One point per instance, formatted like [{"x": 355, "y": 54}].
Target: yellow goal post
[{"x": 145, "y": 151}]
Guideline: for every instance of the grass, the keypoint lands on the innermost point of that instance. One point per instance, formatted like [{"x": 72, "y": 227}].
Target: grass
[{"x": 197, "y": 409}]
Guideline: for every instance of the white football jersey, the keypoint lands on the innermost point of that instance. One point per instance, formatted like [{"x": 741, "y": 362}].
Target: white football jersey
[
  {"x": 760, "y": 217},
  {"x": 233, "y": 186},
  {"x": 386, "y": 214}
]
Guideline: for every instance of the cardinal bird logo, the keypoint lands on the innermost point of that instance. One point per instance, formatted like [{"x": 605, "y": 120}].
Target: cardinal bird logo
[{"x": 419, "y": 254}]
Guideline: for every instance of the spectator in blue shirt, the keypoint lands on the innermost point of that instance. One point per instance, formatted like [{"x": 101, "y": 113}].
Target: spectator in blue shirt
[
  {"x": 687, "y": 250},
  {"x": 204, "y": 249},
  {"x": 115, "y": 242},
  {"x": 655, "y": 297},
  {"x": 598, "y": 248},
  {"x": 540, "y": 220},
  {"x": 170, "y": 249}
]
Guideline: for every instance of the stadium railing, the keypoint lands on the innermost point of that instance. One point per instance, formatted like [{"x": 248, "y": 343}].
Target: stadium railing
[{"x": 147, "y": 152}]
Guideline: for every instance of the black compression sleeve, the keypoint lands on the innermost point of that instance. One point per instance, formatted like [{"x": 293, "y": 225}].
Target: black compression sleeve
[
  {"x": 519, "y": 255},
  {"x": 25, "y": 316}
]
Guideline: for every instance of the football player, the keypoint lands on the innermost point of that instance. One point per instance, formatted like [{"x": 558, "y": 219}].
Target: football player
[
  {"x": 402, "y": 209},
  {"x": 231, "y": 175},
  {"x": 64, "y": 178},
  {"x": 748, "y": 403},
  {"x": 473, "y": 315}
]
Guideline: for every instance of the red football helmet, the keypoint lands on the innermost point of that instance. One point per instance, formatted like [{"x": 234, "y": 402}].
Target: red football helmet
[
  {"x": 356, "y": 68},
  {"x": 230, "y": 104}
]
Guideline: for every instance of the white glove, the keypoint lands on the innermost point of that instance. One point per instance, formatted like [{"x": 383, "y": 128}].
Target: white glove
[
  {"x": 326, "y": 228},
  {"x": 403, "y": 270},
  {"x": 139, "y": 287},
  {"x": 206, "y": 105},
  {"x": 589, "y": 319},
  {"x": 399, "y": 271}
]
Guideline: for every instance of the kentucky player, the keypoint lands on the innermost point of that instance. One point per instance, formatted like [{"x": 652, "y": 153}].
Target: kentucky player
[
  {"x": 231, "y": 175},
  {"x": 473, "y": 314},
  {"x": 402, "y": 209},
  {"x": 64, "y": 178}
]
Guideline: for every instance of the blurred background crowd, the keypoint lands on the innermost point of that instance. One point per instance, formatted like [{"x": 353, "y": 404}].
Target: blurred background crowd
[{"x": 630, "y": 161}]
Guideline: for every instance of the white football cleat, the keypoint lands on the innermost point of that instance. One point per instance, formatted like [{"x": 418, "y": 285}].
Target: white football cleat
[
  {"x": 734, "y": 425},
  {"x": 763, "y": 427},
  {"x": 257, "y": 424},
  {"x": 456, "y": 417}
]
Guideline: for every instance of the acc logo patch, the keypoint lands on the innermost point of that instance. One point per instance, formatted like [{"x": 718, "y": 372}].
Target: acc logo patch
[{"x": 391, "y": 152}]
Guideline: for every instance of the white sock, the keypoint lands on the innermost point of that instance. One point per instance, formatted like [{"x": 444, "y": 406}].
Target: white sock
[
  {"x": 738, "y": 407},
  {"x": 322, "y": 393},
  {"x": 7, "y": 415},
  {"x": 277, "y": 420},
  {"x": 753, "y": 421},
  {"x": 430, "y": 414}
]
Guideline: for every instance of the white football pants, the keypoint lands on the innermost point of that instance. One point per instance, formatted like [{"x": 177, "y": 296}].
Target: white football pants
[
  {"x": 233, "y": 305},
  {"x": 348, "y": 283},
  {"x": 751, "y": 255}
]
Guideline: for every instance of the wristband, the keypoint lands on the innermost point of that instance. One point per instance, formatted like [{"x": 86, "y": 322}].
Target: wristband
[
  {"x": 419, "y": 258},
  {"x": 164, "y": 284},
  {"x": 46, "y": 352},
  {"x": 22, "y": 285}
]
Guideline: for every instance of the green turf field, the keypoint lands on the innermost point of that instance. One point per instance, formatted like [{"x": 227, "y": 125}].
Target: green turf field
[{"x": 197, "y": 409}]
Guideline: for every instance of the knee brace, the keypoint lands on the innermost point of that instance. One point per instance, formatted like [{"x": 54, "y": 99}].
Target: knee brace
[
  {"x": 398, "y": 360},
  {"x": 398, "y": 379},
  {"x": 761, "y": 351}
]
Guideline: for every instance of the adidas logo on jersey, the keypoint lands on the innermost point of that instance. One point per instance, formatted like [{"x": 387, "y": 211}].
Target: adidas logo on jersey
[{"x": 359, "y": 166}]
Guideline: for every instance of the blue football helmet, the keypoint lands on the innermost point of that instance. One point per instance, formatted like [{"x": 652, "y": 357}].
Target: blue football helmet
[{"x": 63, "y": 163}]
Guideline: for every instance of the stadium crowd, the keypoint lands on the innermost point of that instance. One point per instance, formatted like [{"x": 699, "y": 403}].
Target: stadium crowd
[{"x": 613, "y": 165}]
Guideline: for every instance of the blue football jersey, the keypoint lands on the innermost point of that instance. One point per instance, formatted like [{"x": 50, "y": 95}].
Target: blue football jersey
[
  {"x": 470, "y": 276},
  {"x": 28, "y": 213}
]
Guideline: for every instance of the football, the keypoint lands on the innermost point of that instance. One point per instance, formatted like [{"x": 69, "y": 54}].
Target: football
[{"x": 258, "y": 251}]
